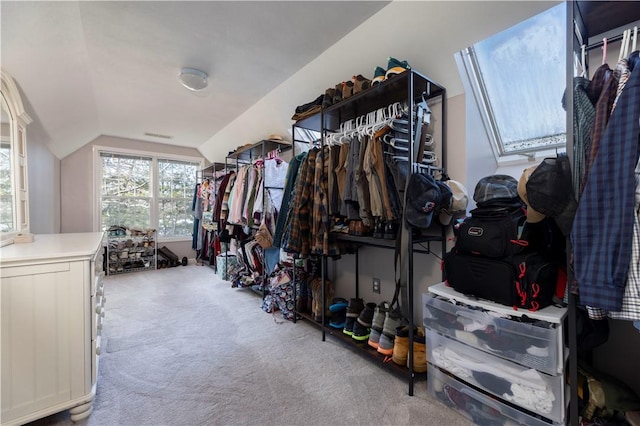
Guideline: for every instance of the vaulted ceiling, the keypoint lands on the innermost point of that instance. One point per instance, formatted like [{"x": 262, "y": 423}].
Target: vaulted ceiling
[{"x": 91, "y": 68}]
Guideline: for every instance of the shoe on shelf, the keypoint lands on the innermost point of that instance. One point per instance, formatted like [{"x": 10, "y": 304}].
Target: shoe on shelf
[
  {"x": 378, "y": 323},
  {"x": 337, "y": 97},
  {"x": 378, "y": 228},
  {"x": 360, "y": 83},
  {"x": 347, "y": 89},
  {"x": 327, "y": 99},
  {"x": 353, "y": 311},
  {"x": 392, "y": 321},
  {"x": 419, "y": 352},
  {"x": 401, "y": 345},
  {"x": 378, "y": 76},
  {"x": 391, "y": 230},
  {"x": 362, "y": 326},
  {"x": 395, "y": 66},
  {"x": 338, "y": 311}
]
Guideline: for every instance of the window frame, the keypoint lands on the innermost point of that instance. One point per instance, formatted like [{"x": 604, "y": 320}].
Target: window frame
[
  {"x": 154, "y": 183},
  {"x": 473, "y": 74}
]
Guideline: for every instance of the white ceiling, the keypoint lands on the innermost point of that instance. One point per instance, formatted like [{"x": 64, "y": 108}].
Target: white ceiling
[{"x": 110, "y": 68}]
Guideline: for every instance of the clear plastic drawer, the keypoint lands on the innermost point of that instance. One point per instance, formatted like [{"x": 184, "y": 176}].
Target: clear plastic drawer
[
  {"x": 525, "y": 387},
  {"x": 481, "y": 409},
  {"x": 534, "y": 344}
]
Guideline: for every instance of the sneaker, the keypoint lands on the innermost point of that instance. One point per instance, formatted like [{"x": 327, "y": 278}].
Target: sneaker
[
  {"x": 392, "y": 321},
  {"x": 419, "y": 352},
  {"x": 378, "y": 76},
  {"x": 347, "y": 89},
  {"x": 327, "y": 100},
  {"x": 395, "y": 66},
  {"x": 378, "y": 323},
  {"x": 401, "y": 345},
  {"x": 337, "y": 97},
  {"x": 362, "y": 326},
  {"x": 338, "y": 311},
  {"x": 353, "y": 310}
]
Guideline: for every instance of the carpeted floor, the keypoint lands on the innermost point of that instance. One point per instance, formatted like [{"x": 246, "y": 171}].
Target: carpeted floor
[{"x": 181, "y": 347}]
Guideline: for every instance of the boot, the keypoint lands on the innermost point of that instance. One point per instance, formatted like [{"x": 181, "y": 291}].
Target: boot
[{"x": 419, "y": 352}]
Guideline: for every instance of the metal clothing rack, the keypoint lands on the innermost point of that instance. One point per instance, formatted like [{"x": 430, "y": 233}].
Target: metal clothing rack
[
  {"x": 586, "y": 19},
  {"x": 410, "y": 87}
]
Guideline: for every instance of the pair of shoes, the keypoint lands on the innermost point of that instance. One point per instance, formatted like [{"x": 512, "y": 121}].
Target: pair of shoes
[
  {"x": 392, "y": 321},
  {"x": 339, "y": 225},
  {"x": 394, "y": 67},
  {"x": 308, "y": 109},
  {"x": 377, "y": 323},
  {"x": 362, "y": 326},
  {"x": 401, "y": 348},
  {"x": 360, "y": 83},
  {"x": 354, "y": 308},
  {"x": 391, "y": 230}
]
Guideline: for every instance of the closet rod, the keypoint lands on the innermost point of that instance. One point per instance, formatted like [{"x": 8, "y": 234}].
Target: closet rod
[{"x": 601, "y": 43}]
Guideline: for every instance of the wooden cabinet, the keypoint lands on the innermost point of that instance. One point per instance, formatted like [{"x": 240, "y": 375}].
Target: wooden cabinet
[{"x": 52, "y": 303}]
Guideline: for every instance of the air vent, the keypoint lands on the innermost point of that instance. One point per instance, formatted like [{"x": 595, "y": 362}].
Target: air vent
[{"x": 158, "y": 135}]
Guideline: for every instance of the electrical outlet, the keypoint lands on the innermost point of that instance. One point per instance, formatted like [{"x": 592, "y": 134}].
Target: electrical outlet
[{"x": 376, "y": 285}]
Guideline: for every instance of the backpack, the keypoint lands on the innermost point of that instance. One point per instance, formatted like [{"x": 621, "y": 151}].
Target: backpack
[{"x": 501, "y": 257}]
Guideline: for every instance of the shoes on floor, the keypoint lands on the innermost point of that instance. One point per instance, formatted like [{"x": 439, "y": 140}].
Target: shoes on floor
[
  {"x": 353, "y": 310},
  {"x": 392, "y": 321},
  {"x": 378, "y": 323},
  {"x": 362, "y": 326}
]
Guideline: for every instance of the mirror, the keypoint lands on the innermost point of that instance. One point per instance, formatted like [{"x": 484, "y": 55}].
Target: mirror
[
  {"x": 14, "y": 189},
  {"x": 7, "y": 198}
]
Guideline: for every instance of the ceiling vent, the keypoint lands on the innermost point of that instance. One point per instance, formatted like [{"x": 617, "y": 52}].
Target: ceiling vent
[{"x": 158, "y": 135}]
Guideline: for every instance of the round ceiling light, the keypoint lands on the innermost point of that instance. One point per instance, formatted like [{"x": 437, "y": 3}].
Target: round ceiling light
[{"x": 193, "y": 79}]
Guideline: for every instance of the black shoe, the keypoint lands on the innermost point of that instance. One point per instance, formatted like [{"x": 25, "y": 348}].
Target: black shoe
[
  {"x": 362, "y": 326},
  {"x": 378, "y": 229},
  {"x": 391, "y": 230},
  {"x": 353, "y": 310}
]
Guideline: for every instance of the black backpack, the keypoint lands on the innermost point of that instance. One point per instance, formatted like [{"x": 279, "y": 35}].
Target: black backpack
[{"x": 501, "y": 257}]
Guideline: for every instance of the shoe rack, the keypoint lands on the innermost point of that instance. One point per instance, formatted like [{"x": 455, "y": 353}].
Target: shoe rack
[
  {"x": 130, "y": 250},
  {"x": 409, "y": 87}
]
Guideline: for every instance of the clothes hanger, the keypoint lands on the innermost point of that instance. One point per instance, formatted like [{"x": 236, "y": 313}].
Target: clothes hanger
[
  {"x": 604, "y": 51},
  {"x": 583, "y": 60},
  {"x": 635, "y": 38},
  {"x": 623, "y": 45}
]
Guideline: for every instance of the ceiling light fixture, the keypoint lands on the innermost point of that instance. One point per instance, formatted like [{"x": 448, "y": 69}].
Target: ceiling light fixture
[{"x": 193, "y": 79}]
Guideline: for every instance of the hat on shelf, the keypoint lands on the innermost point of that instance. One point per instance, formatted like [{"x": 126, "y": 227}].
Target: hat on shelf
[
  {"x": 532, "y": 215},
  {"x": 275, "y": 137},
  {"x": 425, "y": 196},
  {"x": 459, "y": 201}
]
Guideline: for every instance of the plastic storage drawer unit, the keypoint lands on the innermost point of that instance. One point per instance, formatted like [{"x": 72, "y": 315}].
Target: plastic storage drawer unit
[
  {"x": 526, "y": 343},
  {"x": 527, "y": 388},
  {"x": 481, "y": 409}
]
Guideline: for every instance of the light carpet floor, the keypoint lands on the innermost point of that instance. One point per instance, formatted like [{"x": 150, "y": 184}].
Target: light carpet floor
[{"x": 181, "y": 347}]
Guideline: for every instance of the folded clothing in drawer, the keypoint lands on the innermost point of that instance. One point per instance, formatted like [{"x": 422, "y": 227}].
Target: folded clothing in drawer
[
  {"x": 533, "y": 344},
  {"x": 481, "y": 409},
  {"x": 524, "y": 387}
]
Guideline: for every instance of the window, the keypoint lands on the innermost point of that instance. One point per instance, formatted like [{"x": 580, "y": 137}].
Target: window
[
  {"x": 518, "y": 78},
  {"x": 146, "y": 191}
]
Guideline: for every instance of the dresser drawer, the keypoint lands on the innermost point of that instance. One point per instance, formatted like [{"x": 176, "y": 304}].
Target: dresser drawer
[
  {"x": 525, "y": 387},
  {"x": 532, "y": 344},
  {"x": 481, "y": 409}
]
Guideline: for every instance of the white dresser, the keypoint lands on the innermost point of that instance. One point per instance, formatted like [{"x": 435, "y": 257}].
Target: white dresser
[{"x": 52, "y": 304}]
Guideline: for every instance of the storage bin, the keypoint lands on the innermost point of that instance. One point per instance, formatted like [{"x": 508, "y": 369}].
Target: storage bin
[
  {"x": 522, "y": 386},
  {"x": 224, "y": 263},
  {"x": 532, "y": 344},
  {"x": 476, "y": 406}
]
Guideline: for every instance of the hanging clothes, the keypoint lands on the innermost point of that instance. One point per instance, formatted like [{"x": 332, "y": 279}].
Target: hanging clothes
[
  {"x": 285, "y": 207},
  {"x": 602, "y": 230}
]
